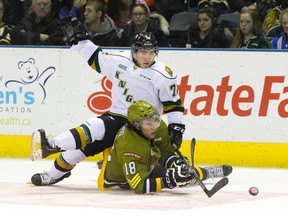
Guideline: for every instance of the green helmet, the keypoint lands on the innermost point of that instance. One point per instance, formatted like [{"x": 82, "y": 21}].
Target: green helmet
[{"x": 139, "y": 111}]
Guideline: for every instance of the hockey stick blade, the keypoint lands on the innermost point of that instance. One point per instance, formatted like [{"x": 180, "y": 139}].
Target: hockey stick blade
[{"x": 220, "y": 184}]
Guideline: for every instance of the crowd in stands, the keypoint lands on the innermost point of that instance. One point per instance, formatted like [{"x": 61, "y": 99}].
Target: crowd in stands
[{"x": 262, "y": 24}]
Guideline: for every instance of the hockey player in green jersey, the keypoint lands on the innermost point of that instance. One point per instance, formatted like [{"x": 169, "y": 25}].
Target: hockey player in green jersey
[{"x": 139, "y": 145}]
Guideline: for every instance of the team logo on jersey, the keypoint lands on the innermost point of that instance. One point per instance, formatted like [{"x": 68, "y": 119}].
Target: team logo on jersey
[
  {"x": 122, "y": 67},
  {"x": 169, "y": 71}
]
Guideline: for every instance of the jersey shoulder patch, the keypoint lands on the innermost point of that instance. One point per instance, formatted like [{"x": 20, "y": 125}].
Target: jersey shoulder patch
[
  {"x": 169, "y": 71},
  {"x": 164, "y": 70}
]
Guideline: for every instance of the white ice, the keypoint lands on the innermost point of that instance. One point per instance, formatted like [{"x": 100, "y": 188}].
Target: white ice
[{"x": 78, "y": 195}]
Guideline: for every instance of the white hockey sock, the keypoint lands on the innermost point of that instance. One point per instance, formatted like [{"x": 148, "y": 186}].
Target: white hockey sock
[
  {"x": 65, "y": 141},
  {"x": 71, "y": 157}
]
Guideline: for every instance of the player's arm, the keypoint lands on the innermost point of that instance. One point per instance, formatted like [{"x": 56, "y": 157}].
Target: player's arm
[
  {"x": 172, "y": 105},
  {"x": 77, "y": 36},
  {"x": 136, "y": 172},
  {"x": 141, "y": 183},
  {"x": 168, "y": 158},
  {"x": 137, "y": 176}
]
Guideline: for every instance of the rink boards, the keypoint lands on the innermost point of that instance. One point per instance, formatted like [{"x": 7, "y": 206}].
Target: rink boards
[{"x": 235, "y": 101}]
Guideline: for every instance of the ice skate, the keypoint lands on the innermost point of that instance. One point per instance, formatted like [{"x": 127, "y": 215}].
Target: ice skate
[
  {"x": 40, "y": 147},
  {"x": 43, "y": 179},
  {"x": 218, "y": 171}
]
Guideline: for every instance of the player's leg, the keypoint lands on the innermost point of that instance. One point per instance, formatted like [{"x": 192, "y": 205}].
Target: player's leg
[
  {"x": 214, "y": 171},
  {"x": 60, "y": 169},
  {"x": 218, "y": 171},
  {"x": 75, "y": 138},
  {"x": 112, "y": 125},
  {"x": 68, "y": 159},
  {"x": 81, "y": 136}
]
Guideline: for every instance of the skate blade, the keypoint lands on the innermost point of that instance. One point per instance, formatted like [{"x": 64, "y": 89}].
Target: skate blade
[{"x": 36, "y": 152}]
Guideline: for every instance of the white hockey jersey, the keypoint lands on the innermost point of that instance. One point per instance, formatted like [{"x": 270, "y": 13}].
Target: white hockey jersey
[{"x": 156, "y": 84}]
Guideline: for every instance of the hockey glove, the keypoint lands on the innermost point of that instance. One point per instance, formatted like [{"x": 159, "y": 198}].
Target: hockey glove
[
  {"x": 5, "y": 35},
  {"x": 178, "y": 162},
  {"x": 176, "y": 132},
  {"x": 177, "y": 176},
  {"x": 73, "y": 30}
]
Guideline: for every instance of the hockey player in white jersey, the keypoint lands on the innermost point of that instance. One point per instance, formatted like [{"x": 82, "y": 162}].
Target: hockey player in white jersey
[{"x": 135, "y": 76}]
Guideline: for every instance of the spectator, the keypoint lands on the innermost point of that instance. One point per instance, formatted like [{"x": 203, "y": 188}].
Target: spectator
[
  {"x": 100, "y": 26},
  {"x": 271, "y": 13},
  {"x": 170, "y": 7},
  {"x": 56, "y": 5},
  {"x": 237, "y": 6},
  {"x": 143, "y": 21},
  {"x": 205, "y": 34},
  {"x": 120, "y": 12},
  {"x": 249, "y": 33},
  {"x": 4, "y": 33},
  {"x": 219, "y": 6},
  {"x": 14, "y": 11},
  {"x": 38, "y": 28},
  {"x": 149, "y": 3},
  {"x": 74, "y": 8},
  {"x": 281, "y": 40}
]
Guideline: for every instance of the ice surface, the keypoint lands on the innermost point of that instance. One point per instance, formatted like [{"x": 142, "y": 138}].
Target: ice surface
[{"x": 78, "y": 195}]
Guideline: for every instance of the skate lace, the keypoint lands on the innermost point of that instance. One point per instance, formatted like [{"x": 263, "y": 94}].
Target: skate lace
[
  {"x": 46, "y": 179},
  {"x": 215, "y": 171}
]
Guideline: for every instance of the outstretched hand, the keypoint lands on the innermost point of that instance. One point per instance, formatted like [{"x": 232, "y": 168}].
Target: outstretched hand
[{"x": 73, "y": 30}]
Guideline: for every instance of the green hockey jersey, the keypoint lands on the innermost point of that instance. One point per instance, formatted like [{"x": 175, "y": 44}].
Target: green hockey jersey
[{"x": 133, "y": 157}]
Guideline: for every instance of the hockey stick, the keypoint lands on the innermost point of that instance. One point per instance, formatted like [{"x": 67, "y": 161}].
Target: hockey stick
[{"x": 220, "y": 184}]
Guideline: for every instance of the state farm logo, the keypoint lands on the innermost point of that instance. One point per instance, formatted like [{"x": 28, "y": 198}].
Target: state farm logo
[
  {"x": 239, "y": 99},
  {"x": 100, "y": 102},
  {"x": 221, "y": 98}
]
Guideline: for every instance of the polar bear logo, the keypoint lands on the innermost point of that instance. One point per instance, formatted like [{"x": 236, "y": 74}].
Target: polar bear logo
[{"x": 30, "y": 74}]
